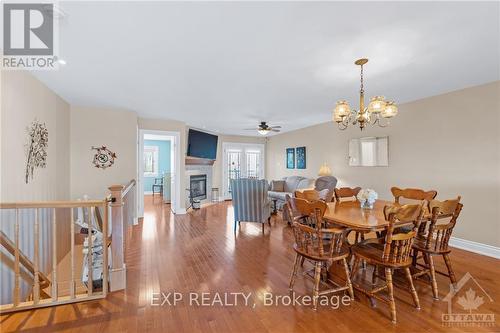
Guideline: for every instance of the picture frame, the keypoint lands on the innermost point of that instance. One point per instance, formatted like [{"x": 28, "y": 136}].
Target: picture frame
[
  {"x": 301, "y": 157},
  {"x": 290, "y": 158}
]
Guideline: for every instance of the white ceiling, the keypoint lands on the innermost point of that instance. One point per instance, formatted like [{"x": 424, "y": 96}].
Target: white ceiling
[{"x": 225, "y": 66}]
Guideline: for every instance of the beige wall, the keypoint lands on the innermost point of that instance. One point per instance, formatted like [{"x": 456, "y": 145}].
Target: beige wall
[
  {"x": 449, "y": 142},
  {"x": 217, "y": 167},
  {"x": 114, "y": 128},
  {"x": 24, "y": 99}
]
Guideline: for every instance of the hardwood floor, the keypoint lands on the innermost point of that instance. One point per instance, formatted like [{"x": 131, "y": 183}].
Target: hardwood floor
[{"x": 199, "y": 252}]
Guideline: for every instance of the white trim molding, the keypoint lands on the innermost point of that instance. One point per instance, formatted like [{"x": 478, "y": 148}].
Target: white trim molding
[{"x": 484, "y": 249}]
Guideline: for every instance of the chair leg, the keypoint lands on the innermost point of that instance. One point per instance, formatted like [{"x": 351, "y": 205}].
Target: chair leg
[
  {"x": 236, "y": 224},
  {"x": 262, "y": 227},
  {"x": 414, "y": 258},
  {"x": 302, "y": 261},
  {"x": 433, "y": 277},
  {"x": 451, "y": 273},
  {"x": 317, "y": 276},
  {"x": 413, "y": 292},
  {"x": 294, "y": 272},
  {"x": 348, "y": 279},
  {"x": 355, "y": 266},
  {"x": 269, "y": 220},
  {"x": 374, "y": 275},
  {"x": 390, "y": 290}
]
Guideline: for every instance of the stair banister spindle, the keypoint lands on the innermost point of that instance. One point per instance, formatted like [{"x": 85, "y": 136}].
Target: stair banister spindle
[
  {"x": 105, "y": 249},
  {"x": 36, "y": 286},
  {"x": 54, "y": 255},
  {"x": 17, "y": 270},
  {"x": 72, "y": 253},
  {"x": 89, "y": 253}
]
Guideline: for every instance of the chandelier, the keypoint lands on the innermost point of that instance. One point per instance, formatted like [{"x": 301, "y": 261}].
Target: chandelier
[{"x": 378, "y": 112}]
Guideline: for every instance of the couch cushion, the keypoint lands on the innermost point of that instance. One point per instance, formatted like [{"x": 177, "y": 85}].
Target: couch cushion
[{"x": 292, "y": 182}]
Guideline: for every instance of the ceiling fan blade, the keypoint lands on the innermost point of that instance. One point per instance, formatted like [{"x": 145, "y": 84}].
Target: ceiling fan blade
[
  {"x": 275, "y": 126},
  {"x": 275, "y": 130},
  {"x": 251, "y": 129}
]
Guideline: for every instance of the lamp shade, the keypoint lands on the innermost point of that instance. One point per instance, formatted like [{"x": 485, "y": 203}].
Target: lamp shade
[
  {"x": 324, "y": 170},
  {"x": 390, "y": 111},
  {"x": 377, "y": 104},
  {"x": 342, "y": 109}
]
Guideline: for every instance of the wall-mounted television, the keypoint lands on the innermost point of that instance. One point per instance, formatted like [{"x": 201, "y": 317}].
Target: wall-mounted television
[{"x": 202, "y": 145}]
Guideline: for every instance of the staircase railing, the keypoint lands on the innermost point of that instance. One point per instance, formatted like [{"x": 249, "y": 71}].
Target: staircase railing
[
  {"x": 23, "y": 260},
  {"x": 40, "y": 280}
]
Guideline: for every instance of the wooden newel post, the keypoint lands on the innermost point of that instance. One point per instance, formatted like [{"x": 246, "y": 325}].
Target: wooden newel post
[{"x": 117, "y": 274}]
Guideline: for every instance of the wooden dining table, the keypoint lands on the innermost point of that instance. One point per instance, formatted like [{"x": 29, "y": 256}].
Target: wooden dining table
[{"x": 349, "y": 214}]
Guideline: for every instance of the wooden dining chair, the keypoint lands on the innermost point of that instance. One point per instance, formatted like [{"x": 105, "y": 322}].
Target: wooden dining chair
[
  {"x": 392, "y": 252},
  {"x": 321, "y": 246},
  {"x": 434, "y": 241},
  {"x": 310, "y": 195},
  {"x": 290, "y": 212},
  {"x": 344, "y": 194},
  {"x": 413, "y": 196}
]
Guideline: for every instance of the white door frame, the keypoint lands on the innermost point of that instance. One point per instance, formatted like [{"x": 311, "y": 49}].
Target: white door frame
[
  {"x": 175, "y": 165},
  {"x": 243, "y": 147}
]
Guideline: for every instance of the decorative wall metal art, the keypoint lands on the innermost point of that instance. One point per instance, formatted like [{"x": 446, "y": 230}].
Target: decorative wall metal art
[
  {"x": 103, "y": 158},
  {"x": 36, "y": 148},
  {"x": 290, "y": 158},
  {"x": 301, "y": 157}
]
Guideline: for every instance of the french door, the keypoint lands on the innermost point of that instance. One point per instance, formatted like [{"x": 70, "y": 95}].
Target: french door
[{"x": 241, "y": 160}]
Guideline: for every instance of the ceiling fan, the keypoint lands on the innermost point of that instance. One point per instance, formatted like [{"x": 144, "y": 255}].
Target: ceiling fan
[{"x": 264, "y": 128}]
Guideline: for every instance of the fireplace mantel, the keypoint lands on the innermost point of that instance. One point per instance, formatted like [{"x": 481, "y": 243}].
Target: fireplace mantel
[{"x": 198, "y": 161}]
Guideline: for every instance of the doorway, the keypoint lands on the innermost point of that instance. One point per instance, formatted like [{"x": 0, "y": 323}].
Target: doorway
[
  {"x": 241, "y": 160},
  {"x": 158, "y": 168}
]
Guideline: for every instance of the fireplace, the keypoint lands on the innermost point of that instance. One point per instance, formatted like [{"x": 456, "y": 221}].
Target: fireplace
[{"x": 198, "y": 187}]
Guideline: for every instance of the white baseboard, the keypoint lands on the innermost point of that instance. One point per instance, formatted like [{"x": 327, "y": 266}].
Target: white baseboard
[
  {"x": 180, "y": 211},
  {"x": 118, "y": 278},
  {"x": 484, "y": 249}
]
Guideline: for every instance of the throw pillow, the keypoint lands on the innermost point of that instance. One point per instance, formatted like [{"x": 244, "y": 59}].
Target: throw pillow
[{"x": 278, "y": 185}]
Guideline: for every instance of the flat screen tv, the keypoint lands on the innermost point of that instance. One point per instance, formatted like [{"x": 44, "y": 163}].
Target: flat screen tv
[{"x": 202, "y": 145}]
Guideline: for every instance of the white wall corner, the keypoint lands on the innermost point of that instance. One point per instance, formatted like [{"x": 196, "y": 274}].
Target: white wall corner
[{"x": 484, "y": 249}]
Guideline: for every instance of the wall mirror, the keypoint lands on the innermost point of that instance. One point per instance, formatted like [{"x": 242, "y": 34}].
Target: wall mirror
[{"x": 369, "y": 151}]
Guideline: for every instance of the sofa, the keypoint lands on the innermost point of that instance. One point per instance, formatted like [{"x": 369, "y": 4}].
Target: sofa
[{"x": 288, "y": 185}]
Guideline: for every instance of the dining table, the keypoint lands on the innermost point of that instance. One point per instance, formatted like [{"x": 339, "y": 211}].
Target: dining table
[{"x": 350, "y": 215}]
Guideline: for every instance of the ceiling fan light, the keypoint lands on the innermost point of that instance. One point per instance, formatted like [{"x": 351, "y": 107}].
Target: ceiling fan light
[
  {"x": 390, "y": 111},
  {"x": 377, "y": 104},
  {"x": 263, "y": 131},
  {"x": 342, "y": 109}
]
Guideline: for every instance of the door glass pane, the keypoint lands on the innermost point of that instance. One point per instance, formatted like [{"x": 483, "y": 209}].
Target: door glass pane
[
  {"x": 253, "y": 164},
  {"x": 233, "y": 166}
]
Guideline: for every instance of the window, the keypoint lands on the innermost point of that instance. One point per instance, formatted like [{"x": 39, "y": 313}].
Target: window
[{"x": 150, "y": 161}]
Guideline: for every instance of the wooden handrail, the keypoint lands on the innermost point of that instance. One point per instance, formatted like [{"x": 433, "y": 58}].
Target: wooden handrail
[
  {"x": 128, "y": 187},
  {"x": 23, "y": 259},
  {"x": 52, "y": 204}
]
